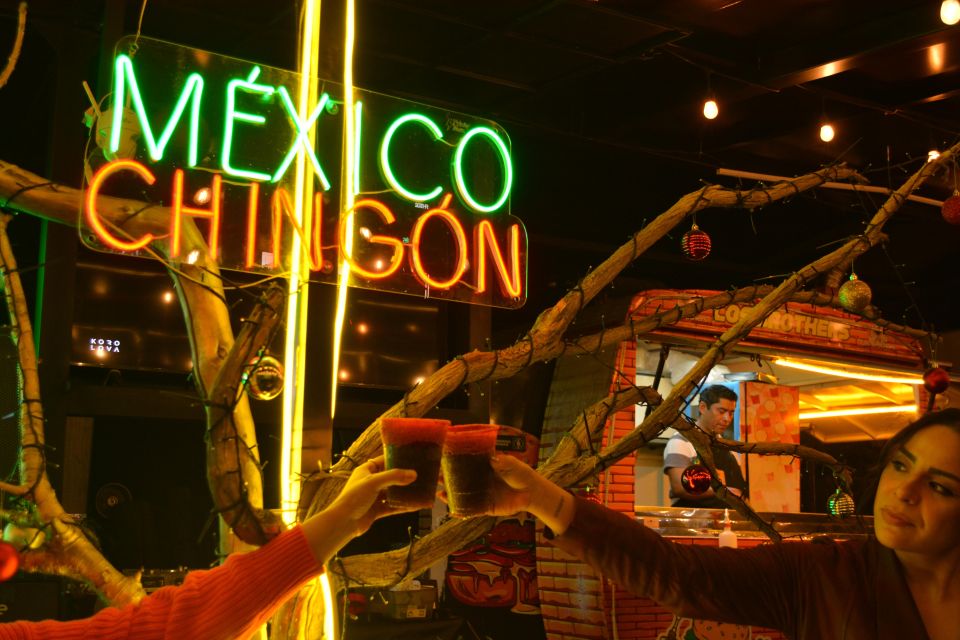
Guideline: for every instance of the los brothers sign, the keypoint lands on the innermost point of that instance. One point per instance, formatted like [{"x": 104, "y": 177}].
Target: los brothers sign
[{"x": 216, "y": 139}]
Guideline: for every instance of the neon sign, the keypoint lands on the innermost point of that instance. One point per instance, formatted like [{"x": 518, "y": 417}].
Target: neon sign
[{"x": 215, "y": 138}]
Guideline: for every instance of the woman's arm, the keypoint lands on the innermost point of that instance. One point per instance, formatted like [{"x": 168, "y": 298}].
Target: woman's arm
[
  {"x": 747, "y": 586},
  {"x": 233, "y": 600}
]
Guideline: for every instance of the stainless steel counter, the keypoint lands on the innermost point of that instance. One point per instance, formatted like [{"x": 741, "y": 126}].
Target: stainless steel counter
[{"x": 675, "y": 521}]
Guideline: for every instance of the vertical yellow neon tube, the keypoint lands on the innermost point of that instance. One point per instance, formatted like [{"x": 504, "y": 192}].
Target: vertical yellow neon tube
[
  {"x": 348, "y": 190},
  {"x": 296, "y": 338}
]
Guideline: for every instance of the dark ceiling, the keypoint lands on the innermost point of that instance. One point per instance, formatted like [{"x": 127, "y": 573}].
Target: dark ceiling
[{"x": 602, "y": 100}]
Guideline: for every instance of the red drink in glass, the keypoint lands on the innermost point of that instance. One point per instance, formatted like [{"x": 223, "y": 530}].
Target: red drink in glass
[
  {"x": 413, "y": 443},
  {"x": 466, "y": 468}
]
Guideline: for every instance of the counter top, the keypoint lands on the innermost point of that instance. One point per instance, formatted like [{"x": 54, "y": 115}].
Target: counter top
[{"x": 677, "y": 521}]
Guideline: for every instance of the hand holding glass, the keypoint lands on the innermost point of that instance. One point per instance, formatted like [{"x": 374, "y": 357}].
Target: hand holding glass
[{"x": 413, "y": 443}]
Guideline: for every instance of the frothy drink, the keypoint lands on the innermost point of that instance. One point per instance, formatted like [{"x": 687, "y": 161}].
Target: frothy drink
[
  {"x": 413, "y": 443},
  {"x": 466, "y": 468}
]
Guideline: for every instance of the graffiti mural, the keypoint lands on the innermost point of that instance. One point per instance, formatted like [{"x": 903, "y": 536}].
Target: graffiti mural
[
  {"x": 694, "y": 629},
  {"x": 499, "y": 570}
]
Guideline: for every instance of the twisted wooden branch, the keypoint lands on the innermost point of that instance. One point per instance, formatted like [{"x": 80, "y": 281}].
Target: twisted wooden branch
[
  {"x": 68, "y": 552},
  {"x": 544, "y": 341},
  {"x": 202, "y": 300},
  {"x": 228, "y": 450},
  {"x": 637, "y": 328},
  {"x": 17, "y": 44},
  {"x": 669, "y": 409},
  {"x": 387, "y": 568}
]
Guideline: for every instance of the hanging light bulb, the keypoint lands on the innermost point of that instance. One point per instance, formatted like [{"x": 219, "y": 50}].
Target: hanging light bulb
[
  {"x": 932, "y": 155},
  {"x": 827, "y": 132},
  {"x": 710, "y": 109},
  {"x": 950, "y": 12}
]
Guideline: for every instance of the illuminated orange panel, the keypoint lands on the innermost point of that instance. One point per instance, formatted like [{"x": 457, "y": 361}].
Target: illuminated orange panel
[
  {"x": 509, "y": 281},
  {"x": 459, "y": 234},
  {"x": 253, "y": 199},
  {"x": 93, "y": 216},
  {"x": 281, "y": 206},
  {"x": 388, "y": 217},
  {"x": 213, "y": 213}
]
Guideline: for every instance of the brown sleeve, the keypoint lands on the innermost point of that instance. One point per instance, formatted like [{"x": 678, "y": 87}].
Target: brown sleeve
[{"x": 756, "y": 586}]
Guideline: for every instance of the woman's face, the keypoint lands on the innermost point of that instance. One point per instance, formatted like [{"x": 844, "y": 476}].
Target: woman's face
[{"x": 917, "y": 509}]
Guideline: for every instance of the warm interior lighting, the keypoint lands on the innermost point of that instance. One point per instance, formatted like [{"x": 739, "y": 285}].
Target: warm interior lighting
[
  {"x": 932, "y": 155},
  {"x": 846, "y": 373},
  {"x": 202, "y": 196},
  {"x": 857, "y": 411},
  {"x": 710, "y": 109},
  {"x": 936, "y": 55},
  {"x": 950, "y": 12},
  {"x": 826, "y": 132}
]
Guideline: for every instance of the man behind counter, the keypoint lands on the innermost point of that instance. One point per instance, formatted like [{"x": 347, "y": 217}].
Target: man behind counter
[{"x": 717, "y": 404}]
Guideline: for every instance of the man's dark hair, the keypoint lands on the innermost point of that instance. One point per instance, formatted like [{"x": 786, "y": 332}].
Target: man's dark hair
[{"x": 715, "y": 393}]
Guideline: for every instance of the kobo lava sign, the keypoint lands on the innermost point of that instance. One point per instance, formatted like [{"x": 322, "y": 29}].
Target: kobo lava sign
[{"x": 216, "y": 139}]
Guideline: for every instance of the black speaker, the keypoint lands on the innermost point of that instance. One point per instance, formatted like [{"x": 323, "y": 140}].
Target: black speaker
[{"x": 11, "y": 392}]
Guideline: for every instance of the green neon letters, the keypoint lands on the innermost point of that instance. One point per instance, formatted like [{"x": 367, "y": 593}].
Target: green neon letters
[
  {"x": 385, "y": 156},
  {"x": 232, "y": 115},
  {"x": 357, "y": 138},
  {"x": 192, "y": 90},
  {"x": 302, "y": 128},
  {"x": 127, "y": 91},
  {"x": 505, "y": 163}
]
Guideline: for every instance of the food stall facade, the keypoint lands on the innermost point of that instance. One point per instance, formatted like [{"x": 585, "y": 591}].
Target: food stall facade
[{"x": 576, "y": 601}]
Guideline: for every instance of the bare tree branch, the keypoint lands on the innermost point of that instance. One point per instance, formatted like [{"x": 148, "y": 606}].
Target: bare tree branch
[
  {"x": 17, "y": 44},
  {"x": 544, "y": 341},
  {"x": 68, "y": 552}
]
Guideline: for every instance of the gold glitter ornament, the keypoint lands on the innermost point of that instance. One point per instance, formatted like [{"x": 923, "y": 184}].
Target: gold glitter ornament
[{"x": 854, "y": 294}]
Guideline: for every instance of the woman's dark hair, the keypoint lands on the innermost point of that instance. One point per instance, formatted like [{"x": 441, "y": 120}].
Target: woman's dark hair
[{"x": 949, "y": 418}]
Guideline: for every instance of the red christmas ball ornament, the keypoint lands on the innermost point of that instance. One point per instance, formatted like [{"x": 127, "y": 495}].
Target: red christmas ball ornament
[
  {"x": 951, "y": 209},
  {"x": 695, "y": 243},
  {"x": 696, "y": 479},
  {"x": 936, "y": 380},
  {"x": 9, "y": 561}
]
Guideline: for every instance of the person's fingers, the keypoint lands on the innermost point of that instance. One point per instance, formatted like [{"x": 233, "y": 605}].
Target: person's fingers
[
  {"x": 393, "y": 477},
  {"x": 373, "y": 465},
  {"x": 511, "y": 470}
]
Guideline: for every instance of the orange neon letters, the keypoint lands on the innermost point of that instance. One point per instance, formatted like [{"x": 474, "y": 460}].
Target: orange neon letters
[
  {"x": 252, "y": 210},
  {"x": 388, "y": 217},
  {"x": 510, "y": 283},
  {"x": 93, "y": 216},
  {"x": 282, "y": 205},
  {"x": 179, "y": 210},
  {"x": 459, "y": 235}
]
